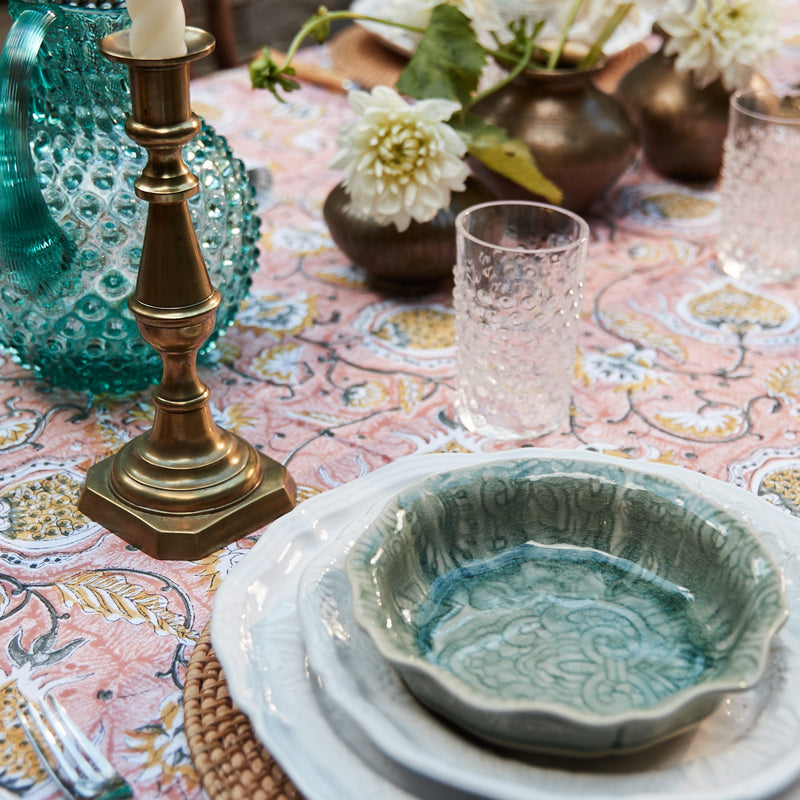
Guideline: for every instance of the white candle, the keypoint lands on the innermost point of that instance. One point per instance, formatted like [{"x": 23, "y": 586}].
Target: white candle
[{"x": 157, "y": 28}]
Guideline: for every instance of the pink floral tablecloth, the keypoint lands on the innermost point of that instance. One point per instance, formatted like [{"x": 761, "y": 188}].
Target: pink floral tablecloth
[{"x": 677, "y": 363}]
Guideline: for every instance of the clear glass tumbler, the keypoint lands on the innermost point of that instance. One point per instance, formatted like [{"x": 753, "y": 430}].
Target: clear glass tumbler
[
  {"x": 760, "y": 188},
  {"x": 517, "y": 297}
]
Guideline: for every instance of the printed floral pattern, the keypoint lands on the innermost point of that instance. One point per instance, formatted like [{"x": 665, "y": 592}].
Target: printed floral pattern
[{"x": 676, "y": 363}]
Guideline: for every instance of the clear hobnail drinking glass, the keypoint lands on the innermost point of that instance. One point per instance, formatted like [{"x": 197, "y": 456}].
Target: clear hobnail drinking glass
[
  {"x": 760, "y": 188},
  {"x": 517, "y": 297}
]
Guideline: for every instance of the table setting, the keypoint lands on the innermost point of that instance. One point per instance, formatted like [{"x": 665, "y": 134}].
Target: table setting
[{"x": 521, "y": 527}]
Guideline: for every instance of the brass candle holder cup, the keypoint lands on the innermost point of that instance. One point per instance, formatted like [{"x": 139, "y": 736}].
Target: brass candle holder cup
[{"x": 186, "y": 487}]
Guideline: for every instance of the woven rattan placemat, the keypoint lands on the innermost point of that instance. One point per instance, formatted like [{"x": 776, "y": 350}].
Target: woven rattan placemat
[
  {"x": 362, "y": 57},
  {"x": 230, "y": 760}
]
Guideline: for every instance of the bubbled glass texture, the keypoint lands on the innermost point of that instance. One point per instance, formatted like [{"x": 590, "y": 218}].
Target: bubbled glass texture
[
  {"x": 517, "y": 318},
  {"x": 85, "y": 337},
  {"x": 759, "y": 234}
]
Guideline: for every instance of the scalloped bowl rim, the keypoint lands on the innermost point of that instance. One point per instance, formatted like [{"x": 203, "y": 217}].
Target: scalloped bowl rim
[{"x": 668, "y": 706}]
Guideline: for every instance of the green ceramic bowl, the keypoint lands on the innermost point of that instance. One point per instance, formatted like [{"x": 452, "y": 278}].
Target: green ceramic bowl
[{"x": 568, "y": 607}]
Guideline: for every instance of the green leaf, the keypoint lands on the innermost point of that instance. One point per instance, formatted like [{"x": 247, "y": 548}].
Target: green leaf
[
  {"x": 266, "y": 74},
  {"x": 476, "y": 132},
  {"x": 448, "y": 60},
  {"x": 511, "y": 158}
]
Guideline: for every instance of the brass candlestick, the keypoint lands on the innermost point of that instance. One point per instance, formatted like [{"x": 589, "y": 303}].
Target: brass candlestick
[{"x": 186, "y": 487}]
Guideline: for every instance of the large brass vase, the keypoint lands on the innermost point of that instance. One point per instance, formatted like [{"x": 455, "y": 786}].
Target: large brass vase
[
  {"x": 681, "y": 126},
  {"x": 580, "y": 137}
]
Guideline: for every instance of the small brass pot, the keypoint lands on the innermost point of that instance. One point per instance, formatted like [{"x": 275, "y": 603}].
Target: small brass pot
[
  {"x": 580, "y": 137},
  {"x": 681, "y": 126},
  {"x": 419, "y": 257}
]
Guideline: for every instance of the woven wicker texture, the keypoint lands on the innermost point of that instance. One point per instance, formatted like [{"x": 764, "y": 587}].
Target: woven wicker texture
[
  {"x": 229, "y": 759},
  {"x": 364, "y": 59}
]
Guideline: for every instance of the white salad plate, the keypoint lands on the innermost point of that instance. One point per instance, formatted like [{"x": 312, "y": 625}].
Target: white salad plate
[{"x": 341, "y": 724}]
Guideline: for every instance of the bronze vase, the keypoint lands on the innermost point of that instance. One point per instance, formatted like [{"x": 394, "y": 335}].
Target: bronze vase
[
  {"x": 418, "y": 258},
  {"x": 580, "y": 137},
  {"x": 681, "y": 127}
]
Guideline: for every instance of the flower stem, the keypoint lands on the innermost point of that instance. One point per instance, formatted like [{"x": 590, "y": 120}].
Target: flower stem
[
  {"x": 325, "y": 19},
  {"x": 620, "y": 12},
  {"x": 523, "y": 62},
  {"x": 555, "y": 55}
]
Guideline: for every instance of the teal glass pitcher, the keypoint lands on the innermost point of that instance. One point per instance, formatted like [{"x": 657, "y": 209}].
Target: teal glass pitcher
[{"x": 71, "y": 227}]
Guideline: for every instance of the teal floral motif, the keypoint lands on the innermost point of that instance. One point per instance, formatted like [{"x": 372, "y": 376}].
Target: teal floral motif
[{"x": 566, "y": 625}]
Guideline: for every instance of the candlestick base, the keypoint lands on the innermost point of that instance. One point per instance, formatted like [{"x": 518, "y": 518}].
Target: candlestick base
[{"x": 187, "y": 534}]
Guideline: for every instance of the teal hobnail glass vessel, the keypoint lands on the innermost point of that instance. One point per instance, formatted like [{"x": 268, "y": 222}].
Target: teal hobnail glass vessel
[{"x": 71, "y": 227}]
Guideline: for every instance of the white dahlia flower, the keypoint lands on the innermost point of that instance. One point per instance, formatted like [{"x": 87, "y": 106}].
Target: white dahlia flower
[
  {"x": 402, "y": 161},
  {"x": 728, "y": 39}
]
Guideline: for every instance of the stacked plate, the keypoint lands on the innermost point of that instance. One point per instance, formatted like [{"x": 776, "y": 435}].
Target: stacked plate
[{"x": 338, "y": 718}]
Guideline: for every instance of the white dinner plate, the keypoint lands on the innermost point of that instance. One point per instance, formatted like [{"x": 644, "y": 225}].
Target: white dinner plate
[
  {"x": 731, "y": 754},
  {"x": 257, "y": 635}
]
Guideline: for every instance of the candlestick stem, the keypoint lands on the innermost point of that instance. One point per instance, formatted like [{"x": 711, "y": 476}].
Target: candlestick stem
[{"x": 186, "y": 487}]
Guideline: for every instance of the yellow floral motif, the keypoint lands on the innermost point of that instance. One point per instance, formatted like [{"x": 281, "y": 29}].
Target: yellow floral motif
[
  {"x": 410, "y": 391},
  {"x": 327, "y": 420},
  {"x": 784, "y": 381},
  {"x": 159, "y": 748},
  {"x": 111, "y": 437},
  {"x": 277, "y": 363},
  {"x": 143, "y": 411},
  {"x": 19, "y": 765},
  {"x": 115, "y": 598},
  {"x": 627, "y": 366},
  {"x": 419, "y": 329},
  {"x": 737, "y": 308},
  {"x": 786, "y": 484},
  {"x": 647, "y": 382},
  {"x": 235, "y": 417},
  {"x": 15, "y": 429},
  {"x": 206, "y": 110},
  {"x": 677, "y": 205},
  {"x": 713, "y": 424},
  {"x": 105, "y": 403},
  {"x": 229, "y": 352},
  {"x": 667, "y": 457},
  {"x": 304, "y": 492},
  {"x": 365, "y": 395},
  {"x": 343, "y": 276},
  {"x": 298, "y": 240},
  {"x": 629, "y": 327},
  {"x": 579, "y": 373},
  {"x": 206, "y": 569},
  {"x": 452, "y": 447},
  {"x": 279, "y": 315},
  {"x": 213, "y": 568},
  {"x": 45, "y": 508}
]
